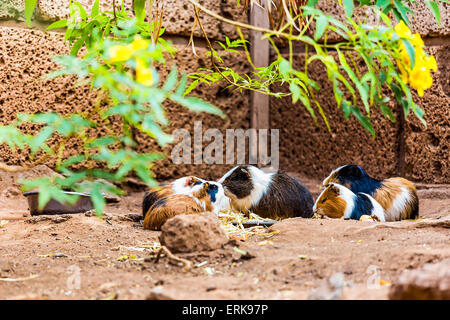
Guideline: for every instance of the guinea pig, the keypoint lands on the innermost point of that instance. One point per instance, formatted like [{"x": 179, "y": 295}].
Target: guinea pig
[
  {"x": 337, "y": 201},
  {"x": 269, "y": 195},
  {"x": 397, "y": 195},
  {"x": 182, "y": 185},
  {"x": 175, "y": 204}
]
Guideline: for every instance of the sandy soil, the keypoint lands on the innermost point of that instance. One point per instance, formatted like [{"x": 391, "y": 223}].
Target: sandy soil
[{"x": 77, "y": 258}]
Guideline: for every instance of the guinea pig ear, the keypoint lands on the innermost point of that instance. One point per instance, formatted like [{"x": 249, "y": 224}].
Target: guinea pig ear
[
  {"x": 353, "y": 170},
  {"x": 245, "y": 171},
  {"x": 189, "y": 181},
  {"x": 334, "y": 189}
]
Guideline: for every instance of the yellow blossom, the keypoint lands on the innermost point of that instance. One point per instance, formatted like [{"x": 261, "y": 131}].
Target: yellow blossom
[
  {"x": 139, "y": 43},
  {"x": 402, "y": 30},
  {"x": 120, "y": 53},
  {"x": 143, "y": 73},
  {"x": 418, "y": 77},
  {"x": 416, "y": 40}
]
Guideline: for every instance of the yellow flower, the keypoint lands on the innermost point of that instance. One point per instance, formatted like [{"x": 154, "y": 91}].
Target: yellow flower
[
  {"x": 119, "y": 53},
  {"x": 419, "y": 77},
  {"x": 430, "y": 63},
  {"x": 143, "y": 73},
  {"x": 416, "y": 40},
  {"x": 402, "y": 30},
  {"x": 139, "y": 43}
]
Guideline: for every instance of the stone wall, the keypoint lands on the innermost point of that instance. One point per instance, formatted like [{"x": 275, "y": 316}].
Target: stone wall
[
  {"x": 26, "y": 53},
  {"x": 25, "y": 56},
  {"x": 403, "y": 148}
]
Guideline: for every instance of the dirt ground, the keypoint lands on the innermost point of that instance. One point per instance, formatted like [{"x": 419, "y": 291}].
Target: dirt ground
[{"x": 77, "y": 257}]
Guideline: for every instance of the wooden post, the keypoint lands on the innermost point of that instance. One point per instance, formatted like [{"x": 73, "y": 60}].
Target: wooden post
[{"x": 260, "y": 54}]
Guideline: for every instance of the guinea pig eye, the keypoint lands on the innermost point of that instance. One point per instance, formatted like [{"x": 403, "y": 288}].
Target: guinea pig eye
[
  {"x": 213, "y": 187},
  {"x": 197, "y": 183},
  {"x": 324, "y": 200}
]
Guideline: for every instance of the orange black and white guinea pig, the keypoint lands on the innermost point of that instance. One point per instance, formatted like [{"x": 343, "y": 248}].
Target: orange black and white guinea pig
[
  {"x": 171, "y": 205},
  {"x": 187, "y": 186},
  {"x": 396, "y": 195},
  {"x": 337, "y": 201},
  {"x": 273, "y": 195},
  {"x": 182, "y": 185}
]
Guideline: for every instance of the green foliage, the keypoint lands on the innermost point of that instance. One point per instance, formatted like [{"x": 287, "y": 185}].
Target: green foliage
[
  {"x": 121, "y": 54},
  {"x": 363, "y": 68}
]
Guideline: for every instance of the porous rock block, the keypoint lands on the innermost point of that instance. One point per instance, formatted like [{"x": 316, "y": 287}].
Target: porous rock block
[
  {"x": 193, "y": 232},
  {"x": 312, "y": 150},
  {"x": 427, "y": 151},
  {"x": 432, "y": 282},
  {"x": 178, "y": 17},
  {"x": 21, "y": 90},
  {"x": 12, "y": 9}
]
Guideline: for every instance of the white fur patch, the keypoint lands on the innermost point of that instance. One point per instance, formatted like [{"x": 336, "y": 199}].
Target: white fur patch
[
  {"x": 394, "y": 213},
  {"x": 377, "y": 208},
  {"x": 179, "y": 186},
  {"x": 226, "y": 175},
  {"x": 222, "y": 201},
  {"x": 317, "y": 200},
  {"x": 348, "y": 196},
  {"x": 261, "y": 183},
  {"x": 332, "y": 172}
]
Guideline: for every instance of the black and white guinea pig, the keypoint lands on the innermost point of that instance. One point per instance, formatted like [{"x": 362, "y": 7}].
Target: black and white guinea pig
[
  {"x": 269, "y": 195},
  {"x": 396, "y": 195},
  {"x": 337, "y": 201},
  {"x": 188, "y": 186}
]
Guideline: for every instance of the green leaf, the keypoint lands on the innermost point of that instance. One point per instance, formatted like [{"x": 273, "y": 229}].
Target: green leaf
[
  {"x": 198, "y": 105},
  {"x": 312, "y": 3},
  {"x": 57, "y": 25},
  {"x": 401, "y": 11},
  {"x": 30, "y": 5},
  {"x": 83, "y": 14},
  {"x": 296, "y": 92},
  {"x": 411, "y": 51},
  {"x": 98, "y": 201},
  {"x": 139, "y": 9},
  {"x": 77, "y": 46},
  {"x": 95, "y": 9},
  {"x": 321, "y": 25},
  {"x": 387, "y": 111},
  {"x": 434, "y": 7},
  {"x": 171, "y": 80},
  {"x": 348, "y": 6}
]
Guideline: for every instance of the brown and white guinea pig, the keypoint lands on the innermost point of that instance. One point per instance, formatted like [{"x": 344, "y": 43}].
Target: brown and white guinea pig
[
  {"x": 337, "y": 201},
  {"x": 182, "y": 185},
  {"x": 270, "y": 195},
  {"x": 397, "y": 195},
  {"x": 171, "y": 205},
  {"x": 188, "y": 186}
]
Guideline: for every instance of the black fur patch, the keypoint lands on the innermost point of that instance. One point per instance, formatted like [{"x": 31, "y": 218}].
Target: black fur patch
[
  {"x": 363, "y": 206},
  {"x": 239, "y": 182},
  {"x": 149, "y": 199},
  {"x": 212, "y": 191},
  {"x": 357, "y": 179},
  {"x": 286, "y": 197}
]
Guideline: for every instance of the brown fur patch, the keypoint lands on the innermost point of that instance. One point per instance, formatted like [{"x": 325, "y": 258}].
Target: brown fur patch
[
  {"x": 330, "y": 204},
  {"x": 176, "y": 204},
  {"x": 390, "y": 190},
  {"x": 169, "y": 207}
]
